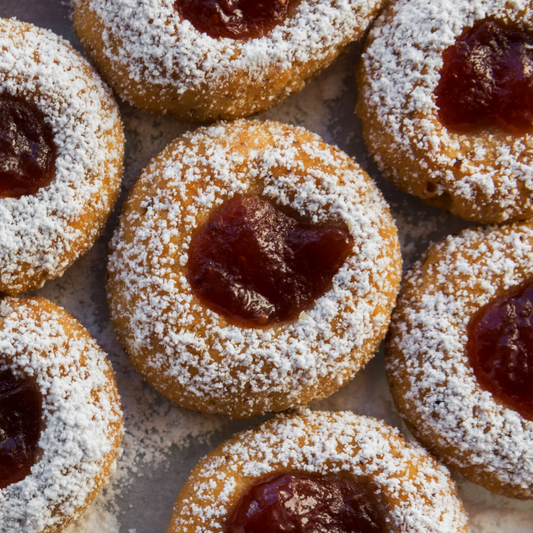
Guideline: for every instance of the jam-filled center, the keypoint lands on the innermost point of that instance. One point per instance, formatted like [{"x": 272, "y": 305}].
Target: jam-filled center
[
  {"x": 487, "y": 78},
  {"x": 500, "y": 349},
  {"x": 256, "y": 265},
  {"x": 20, "y": 427},
  {"x": 27, "y": 151},
  {"x": 235, "y": 19},
  {"x": 299, "y": 503}
]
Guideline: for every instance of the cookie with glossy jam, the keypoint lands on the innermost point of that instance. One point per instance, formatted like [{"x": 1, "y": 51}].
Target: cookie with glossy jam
[
  {"x": 60, "y": 416},
  {"x": 319, "y": 471},
  {"x": 279, "y": 309},
  {"x": 444, "y": 98},
  {"x": 61, "y": 152},
  {"x": 459, "y": 355},
  {"x": 203, "y": 61}
]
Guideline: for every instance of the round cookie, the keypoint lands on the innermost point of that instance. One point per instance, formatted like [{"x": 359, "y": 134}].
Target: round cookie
[
  {"x": 156, "y": 61},
  {"x": 193, "y": 355},
  {"x": 485, "y": 175},
  {"x": 81, "y": 420},
  {"x": 428, "y": 367},
  {"x": 414, "y": 493},
  {"x": 42, "y": 234}
]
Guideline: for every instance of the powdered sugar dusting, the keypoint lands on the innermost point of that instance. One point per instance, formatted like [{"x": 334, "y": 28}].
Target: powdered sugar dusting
[
  {"x": 156, "y": 431},
  {"x": 428, "y": 339},
  {"x": 225, "y": 357},
  {"x": 78, "y": 407},
  {"x": 417, "y": 230},
  {"x": 153, "y": 428},
  {"x": 401, "y": 69},
  {"x": 95, "y": 520},
  {"x": 146, "y": 42},
  {"x": 38, "y": 232},
  {"x": 327, "y": 443},
  {"x": 81, "y": 291}
]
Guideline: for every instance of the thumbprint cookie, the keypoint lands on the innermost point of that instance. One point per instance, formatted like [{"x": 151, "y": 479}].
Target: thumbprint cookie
[
  {"x": 319, "y": 472},
  {"x": 61, "y": 151},
  {"x": 446, "y": 101},
  {"x": 254, "y": 268},
  {"x": 204, "y": 60},
  {"x": 459, "y": 355},
  {"x": 60, "y": 417}
]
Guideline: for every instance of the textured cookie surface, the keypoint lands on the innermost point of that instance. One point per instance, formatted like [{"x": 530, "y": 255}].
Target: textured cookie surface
[
  {"x": 486, "y": 175},
  {"x": 42, "y": 234},
  {"x": 81, "y": 416},
  {"x": 428, "y": 369},
  {"x": 192, "y": 354},
  {"x": 162, "y": 64},
  {"x": 415, "y": 493}
]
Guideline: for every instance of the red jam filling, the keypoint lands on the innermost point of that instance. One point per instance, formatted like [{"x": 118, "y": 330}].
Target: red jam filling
[
  {"x": 297, "y": 503},
  {"x": 487, "y": 78},
  {"x": 236, "y": 19},
  {"x": 20, "y": 427},
  {"x": 256, "y": 265},
  {"x": 500, "y": 349},
  {"x": 27, "y": 151}
]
